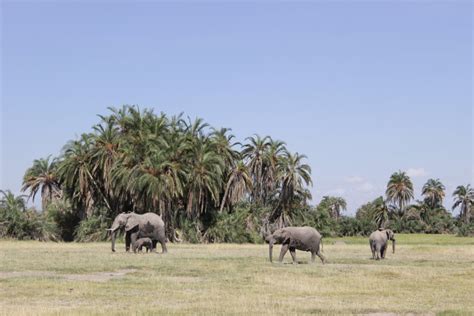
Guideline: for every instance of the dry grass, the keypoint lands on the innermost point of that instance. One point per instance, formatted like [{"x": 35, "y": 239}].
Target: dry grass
[{"x": 427, "y": 275}]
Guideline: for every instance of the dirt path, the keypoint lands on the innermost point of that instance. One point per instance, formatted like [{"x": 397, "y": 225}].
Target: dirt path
[{"x": 94, "y": 277}]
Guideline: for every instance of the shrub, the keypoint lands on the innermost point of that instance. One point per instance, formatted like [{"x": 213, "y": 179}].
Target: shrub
[
  {"x": 93, "y": 228},
  {"x": 440, "y": 224},
  {"x": 240, "y": 226},
  {"x": 65, "y": 219},
  {"x": 320, "y": 218},
  {"x": 27, "y": 224},
  {"x": 466, "y": 230},
  {"x": 351, "y": 226}
]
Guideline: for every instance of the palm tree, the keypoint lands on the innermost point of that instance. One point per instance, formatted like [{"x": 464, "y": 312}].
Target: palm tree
[
  {"x": 295, "y": 176},
  {"x": 196, "y": 129},
  {"x": 10, "y": 202},
  {"x": 419, "y": 211},
  {"x": 137, "y": 160},
  {"x": 273, "y": 162},
  {"x": 105, "y": 151},
  {"x": 254, "y": 154},
  {"x": 75, "y": 172},
  {"x": 13, "y": 215},
  {"x": 204, "y": 178},
  {"x": 155, "y": 182},
  {"x": 433, "y": 190},
  {"x": 42, "y": 176},
  {"x": 380, "y": 212},
  {"x": 222, "y": 142},
  {"x": 336, "y": 205},
  {"x": 399, "y": 190},
  {"x": 464, "y": 198},
  {"x": 238, "y": 185}
]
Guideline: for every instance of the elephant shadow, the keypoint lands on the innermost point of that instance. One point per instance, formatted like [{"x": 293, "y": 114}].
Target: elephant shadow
[{"x": 298, "y": 262}]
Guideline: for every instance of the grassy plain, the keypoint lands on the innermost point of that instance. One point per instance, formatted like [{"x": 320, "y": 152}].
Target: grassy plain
[{"x": 428, "y": 275}]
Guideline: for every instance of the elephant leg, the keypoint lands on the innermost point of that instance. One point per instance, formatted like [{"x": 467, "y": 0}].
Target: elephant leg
[
  {"x": 127, "y": 241},
  {"x": 313, "y": 256},
  {"x": 163, "y": 246},
  {"x": 372, "y": 248},
  {"x": 293, "y": 255},
  {"x": 284, "y": 249},
  {"x": 153, "y": 246},
  {"x": 378, "y": 250},
  {"x": 383, "y": 250},
  {"x": 320, "y": 255},
  {"x": 133, "y": 239}
]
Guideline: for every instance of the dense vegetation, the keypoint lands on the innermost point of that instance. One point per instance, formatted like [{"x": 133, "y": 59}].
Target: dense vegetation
[{"x": 206, "y": 187}]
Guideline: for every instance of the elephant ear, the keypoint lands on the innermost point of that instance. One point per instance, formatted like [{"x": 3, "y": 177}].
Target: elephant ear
[
  {"x": 286, "y": 237},
  {"x": 132, "y": 222}
]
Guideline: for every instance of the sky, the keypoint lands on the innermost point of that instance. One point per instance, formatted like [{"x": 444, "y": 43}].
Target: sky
[{"x": 363, "y": 89}]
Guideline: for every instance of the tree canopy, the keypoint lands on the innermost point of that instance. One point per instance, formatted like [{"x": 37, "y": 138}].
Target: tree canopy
[{"x": 205, "y": 185}]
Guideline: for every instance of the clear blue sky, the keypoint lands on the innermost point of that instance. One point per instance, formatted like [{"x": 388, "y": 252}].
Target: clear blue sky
[{"x": 362, "y": 88}]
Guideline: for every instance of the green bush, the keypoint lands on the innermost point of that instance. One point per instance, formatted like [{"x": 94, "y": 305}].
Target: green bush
[
  {"x": 93, "y": 228},
  {"x": 27, "y": 224},
  {"x": 65, "y": 219},
  {"x": 466, "y": 230},
  {"x": 320, "y": 219},
  {"x": 240, "y": 226},
  {"x": 440, "y": 224},
  {"x": 351, "y": 226},
  {"x": 188, "y": 231}
]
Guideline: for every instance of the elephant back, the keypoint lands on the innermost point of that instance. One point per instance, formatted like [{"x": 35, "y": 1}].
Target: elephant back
[
  {"x": 305, "y": 234},
  {"x": 153, "y": 219},
  {"x": 378, "y": 235}
]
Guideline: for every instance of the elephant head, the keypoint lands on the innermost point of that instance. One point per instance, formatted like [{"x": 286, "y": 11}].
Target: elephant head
[
  {"x": 391, "y": 236},
  {"x": 127, "y": 220},
  {"x": 280, "y": 236}
]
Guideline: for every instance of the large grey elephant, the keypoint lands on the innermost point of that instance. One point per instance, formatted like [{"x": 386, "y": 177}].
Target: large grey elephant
[
  {"x": 292, "y": 238},
  {"x": 139, "y": 226},
  {"x": 378, "y": 241}
]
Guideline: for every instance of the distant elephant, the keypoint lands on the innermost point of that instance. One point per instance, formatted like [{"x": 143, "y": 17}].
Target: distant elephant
[
  {"x": 139, "y": 226},
  {"x": 292, "y": 238},
  {"x": 144, "y": 242},
  {"x": 378, "y": 241}
]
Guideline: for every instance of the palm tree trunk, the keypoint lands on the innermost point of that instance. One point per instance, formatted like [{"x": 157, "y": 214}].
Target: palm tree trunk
[
  {"x": 467, "y": 214},
  {"x": 100, "y": 191},
  {"x": 189, "y": 207},
  {"x": 226, "y": 193}
]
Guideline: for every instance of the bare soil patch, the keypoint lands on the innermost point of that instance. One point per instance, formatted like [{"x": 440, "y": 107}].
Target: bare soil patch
[{"x": 94, "y": 277}]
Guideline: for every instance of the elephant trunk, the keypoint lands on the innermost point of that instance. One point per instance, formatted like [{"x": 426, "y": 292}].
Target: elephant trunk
[
  {"x": 393, "y": 245},
  {"x": 113, "y": 233},
  {"x": 270, "y": 250},
  {"x": 113, "y": 240}
]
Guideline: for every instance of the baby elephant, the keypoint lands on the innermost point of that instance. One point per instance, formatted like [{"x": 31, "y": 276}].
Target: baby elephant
[
  {"x": 292, "y": 238},
  {"x": 378, "y": 241},
  {"x": 144, "y": 242}
]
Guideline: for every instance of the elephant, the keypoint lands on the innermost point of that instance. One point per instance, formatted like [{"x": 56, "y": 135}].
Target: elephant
[
  {"x": 138, "y": 226},
  {"x": 144, "y": 242},
  {"x": 378, "y": 241},
  {"x": 292, "y": 238}
]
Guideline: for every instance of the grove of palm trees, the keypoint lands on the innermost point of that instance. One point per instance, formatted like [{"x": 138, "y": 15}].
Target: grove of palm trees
[{"x": 206, "y": 186}]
